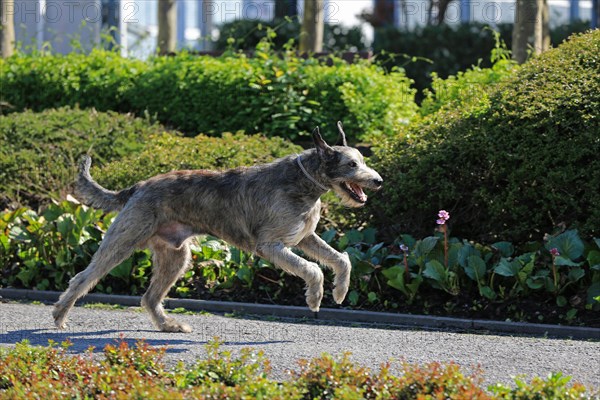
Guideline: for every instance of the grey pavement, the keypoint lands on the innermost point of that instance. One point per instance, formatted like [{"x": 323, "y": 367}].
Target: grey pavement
[{"x": 286, "y": 341}]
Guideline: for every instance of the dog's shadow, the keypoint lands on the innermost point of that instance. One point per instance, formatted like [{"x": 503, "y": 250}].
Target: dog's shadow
[{"x": 96, "y": 341}]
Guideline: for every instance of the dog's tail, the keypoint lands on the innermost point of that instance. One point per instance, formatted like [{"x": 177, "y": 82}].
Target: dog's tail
[{"x": 89, "y": 192}]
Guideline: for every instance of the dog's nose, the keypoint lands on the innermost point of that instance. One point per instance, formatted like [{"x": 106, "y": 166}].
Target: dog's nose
[{"x": 378, "y": 182}]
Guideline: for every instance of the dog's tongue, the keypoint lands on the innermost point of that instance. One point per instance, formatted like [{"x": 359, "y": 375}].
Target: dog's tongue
[{"x": 358, "y": 190}]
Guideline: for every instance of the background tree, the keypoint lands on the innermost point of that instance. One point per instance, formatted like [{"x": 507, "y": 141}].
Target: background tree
[
  {"x": 311, "y": 36},
  {"x": 531, "y": 29},
  {"x": 167, "y": 26},
  {"x": 7, "y": 30},
  {"x": 286, "y": 8}
]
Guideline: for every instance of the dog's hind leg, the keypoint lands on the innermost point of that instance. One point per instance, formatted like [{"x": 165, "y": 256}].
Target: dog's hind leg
[
  {"x": 169, "y": 264},
  {"x": 129, "y": 231},
  {"x": 310, "y": 272},
  {"x": 317, "y": 249}
]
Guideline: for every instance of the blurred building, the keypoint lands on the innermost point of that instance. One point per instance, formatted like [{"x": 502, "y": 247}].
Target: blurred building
[{"x": 68, "y": 25}]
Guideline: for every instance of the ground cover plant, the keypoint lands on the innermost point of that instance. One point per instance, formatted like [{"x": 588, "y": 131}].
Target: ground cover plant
[
  {"x": 275, "y": 93},
  {"x": 137, "y": 371},
  {"x": 556, "y": 281},
  {"x": 512, "y": 167}
]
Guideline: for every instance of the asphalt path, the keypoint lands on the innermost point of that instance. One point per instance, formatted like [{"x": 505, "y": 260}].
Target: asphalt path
[{"x": 285, "y": 342}]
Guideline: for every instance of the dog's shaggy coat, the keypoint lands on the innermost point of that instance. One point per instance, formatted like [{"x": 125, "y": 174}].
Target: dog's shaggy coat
[{"x": 265, "y": 209}]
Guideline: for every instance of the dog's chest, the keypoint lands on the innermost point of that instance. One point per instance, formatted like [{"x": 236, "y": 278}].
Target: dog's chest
[{"x": 303, "y": 226}]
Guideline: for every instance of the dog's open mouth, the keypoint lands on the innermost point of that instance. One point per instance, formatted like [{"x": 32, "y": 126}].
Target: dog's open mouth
[{"x": 355, "y": 191}]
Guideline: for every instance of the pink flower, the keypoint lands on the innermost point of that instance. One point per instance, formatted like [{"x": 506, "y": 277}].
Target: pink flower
[
  {"x": 554, "y": 251},
  {"x": 404, "y": 248},
  {"x": 443, "y": 216}
]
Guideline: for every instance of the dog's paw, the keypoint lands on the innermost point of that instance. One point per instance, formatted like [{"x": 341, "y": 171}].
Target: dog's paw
[
  {"x": 342, "y": 279},
  {"x": 339, "y": 294},
  {"x": 171, "y": 325},
  {"x": 314, "y": 295},
  {"x": 60, "y": 316}
]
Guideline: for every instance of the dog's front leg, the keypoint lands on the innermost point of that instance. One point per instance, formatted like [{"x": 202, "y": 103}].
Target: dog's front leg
[
  {"x": 310, "y": 272},
  {"x": 317, "y": 249}
]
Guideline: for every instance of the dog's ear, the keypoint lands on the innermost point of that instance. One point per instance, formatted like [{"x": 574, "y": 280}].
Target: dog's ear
[
  {"x": 323, "y": 149},
  {"x": 342, "y": 134}
]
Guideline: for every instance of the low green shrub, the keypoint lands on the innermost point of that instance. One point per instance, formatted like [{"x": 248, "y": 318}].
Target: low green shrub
[
  {"x": 513, "y": 168},
  {"x": 166, "y": 152},
  {"x": 278, "y": 94},
  {"x": 39, "y": 151},
  {"x": 563, "y": 274},
  {"x": 38, "y": 80},
  {"x": 137, "y": 371}
]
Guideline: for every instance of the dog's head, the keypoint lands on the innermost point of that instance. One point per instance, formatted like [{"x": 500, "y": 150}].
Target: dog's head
[{"x": 343, "y": 169}]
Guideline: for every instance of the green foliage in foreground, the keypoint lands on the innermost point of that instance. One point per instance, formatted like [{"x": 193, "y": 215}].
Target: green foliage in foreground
[
  {"x": 45, "y": 251},
  {"x": 511, "y": 167},
  {"x": 137, "y": 371}
]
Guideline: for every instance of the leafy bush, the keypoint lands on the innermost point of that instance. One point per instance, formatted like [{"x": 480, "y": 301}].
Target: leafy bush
[
  {"x": 246, "y": 34},
  {"x": 37, "y": 81},
  {"x": 277, "y": 94},
  {"x": 138, "y": 371},
  {"x": 469, "y": 90},
  {"x": 166, "y": 152},
  {"x": 513, "y": 169},
  {"x": 445, "y": 50},
  {"x": 39, "y": 151},
  {"x": 561, "y": 275}
]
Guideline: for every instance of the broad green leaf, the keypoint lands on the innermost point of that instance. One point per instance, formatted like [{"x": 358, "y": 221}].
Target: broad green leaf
[
  {"x": 392, "y": 272},
  {"x": 576, "y": 274},
  {"x": 372, "y": 297},
  {"x": 369, "y": 235},
  {"x": 328, "y": 235},
  {"x": 506, "y": 249},
  {"x": 561, "y": 301},
  {"x": 354, "y": 236},
  {"x": 568, "y": 244},
  {"x": 488, "y": 292},
  {"x": 536, "y": 283},
  {"x": 123, "y": 270},
  {"x": 475, "y": 268},
  {"x": 562, "y": 261},
  {"x": 436, "y": 271},
  {"x": 245, "y": 275},
  {"x": 424, "y": 247},
  {"x": 353, "y": 297},
  {"x": 465, "y": 252},
  {"x": 507, "y": 268},
  {"x": 593, "y": 259}
]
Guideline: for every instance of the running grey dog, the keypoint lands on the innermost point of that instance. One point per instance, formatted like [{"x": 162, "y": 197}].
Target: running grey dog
[{"x": 265, "y": 209}]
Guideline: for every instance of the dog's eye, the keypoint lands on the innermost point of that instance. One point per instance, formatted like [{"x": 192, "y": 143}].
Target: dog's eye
[{"x": 352, "y": 164}]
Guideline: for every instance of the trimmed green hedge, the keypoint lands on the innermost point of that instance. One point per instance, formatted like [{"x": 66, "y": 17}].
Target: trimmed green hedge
[
  {"x": 39, "y": 151},
  {"x": 513, "y": 168},
  {"x": 277, "y": 94},
  {"x": 166, "y": 152}
]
